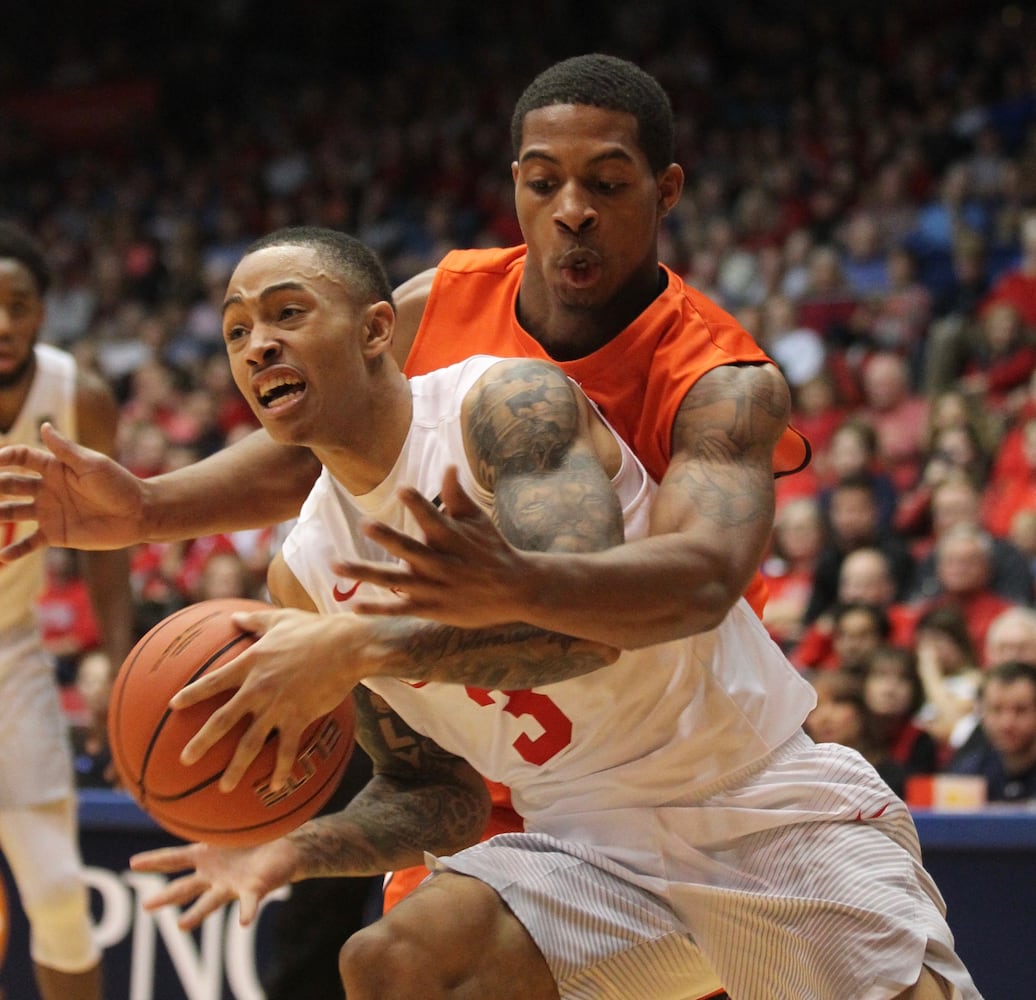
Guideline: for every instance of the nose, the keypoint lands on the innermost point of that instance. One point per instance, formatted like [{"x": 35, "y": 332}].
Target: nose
[
  {"x": 574, "y": 210},
  {"x": 263, "y": 345}
]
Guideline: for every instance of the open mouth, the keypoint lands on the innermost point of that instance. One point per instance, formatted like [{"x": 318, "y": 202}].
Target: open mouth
[{"x": 277, "y": 390}]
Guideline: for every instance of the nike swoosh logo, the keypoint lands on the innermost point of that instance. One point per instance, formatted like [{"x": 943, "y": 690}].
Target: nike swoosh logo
[{"x": 344, "y": 595}]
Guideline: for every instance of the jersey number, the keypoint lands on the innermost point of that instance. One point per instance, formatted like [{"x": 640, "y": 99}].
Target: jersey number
[{"x": 556, "y": 726}]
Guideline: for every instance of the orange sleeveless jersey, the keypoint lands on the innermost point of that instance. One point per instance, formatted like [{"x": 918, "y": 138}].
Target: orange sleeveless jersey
[{"x": 638, "y": 380}]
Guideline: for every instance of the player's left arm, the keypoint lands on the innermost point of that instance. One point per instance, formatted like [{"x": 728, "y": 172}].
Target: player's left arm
[
  {"x": 710, "y": 525},
  {"x": 106, "y": 572}
]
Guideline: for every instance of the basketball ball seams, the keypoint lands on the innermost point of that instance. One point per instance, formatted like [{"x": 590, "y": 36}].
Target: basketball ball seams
[
  {"x": 147, "y": 736},
  {"x": 160, "y": 725}
]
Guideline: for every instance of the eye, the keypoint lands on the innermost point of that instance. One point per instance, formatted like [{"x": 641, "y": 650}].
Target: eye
[
  {"x": 541, "y": 186},
  {"x": 288, "y": 312},
  {"x": 234, "y": 333}
]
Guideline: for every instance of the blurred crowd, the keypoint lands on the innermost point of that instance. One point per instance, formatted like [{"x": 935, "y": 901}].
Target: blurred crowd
[{"x": 861, "y": 195}]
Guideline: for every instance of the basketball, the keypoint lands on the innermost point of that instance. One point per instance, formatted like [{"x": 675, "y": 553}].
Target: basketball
[{"x": 147, "y": 736}]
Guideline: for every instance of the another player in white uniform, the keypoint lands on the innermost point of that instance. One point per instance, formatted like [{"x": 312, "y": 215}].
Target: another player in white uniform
[
  {"x": 38, "y": 833},
  {"x": 683, "y": 835}
]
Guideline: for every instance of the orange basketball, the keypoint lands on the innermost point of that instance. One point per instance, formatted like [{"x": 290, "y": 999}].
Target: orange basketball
[{"x": 147, "y": 736}]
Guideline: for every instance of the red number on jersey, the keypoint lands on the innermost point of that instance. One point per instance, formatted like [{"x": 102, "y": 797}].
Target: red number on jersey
[{"x": 557, "y": 727}]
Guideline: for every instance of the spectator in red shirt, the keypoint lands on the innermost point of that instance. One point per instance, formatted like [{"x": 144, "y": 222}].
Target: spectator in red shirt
[
  {"x": 897, "y": 415},
  {"x": 1017, "y": 285},
  {"x": 798, "y": 535},
  {"x": 893, "y": 693},
  {"x": 1008, "y": 494},
  {"x": 1003, "y": 358},
  {"x": 66, "y": 617},
  {"x": 964, "y": 570}
]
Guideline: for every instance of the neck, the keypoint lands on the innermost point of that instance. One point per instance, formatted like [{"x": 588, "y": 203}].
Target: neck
[
  {"x": 367, "y": 454},
  {"x": 567, "y": 332}
]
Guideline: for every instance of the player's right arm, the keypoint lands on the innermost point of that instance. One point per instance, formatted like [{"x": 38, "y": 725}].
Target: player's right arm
[
  {"x": 420, "y": 798},
  {"x": 83, "y": 499}
]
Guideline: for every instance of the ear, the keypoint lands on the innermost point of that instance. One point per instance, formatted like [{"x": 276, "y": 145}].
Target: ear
[
  {"x": 670, "y": 187},
  {"x": 379, "y": 323}
]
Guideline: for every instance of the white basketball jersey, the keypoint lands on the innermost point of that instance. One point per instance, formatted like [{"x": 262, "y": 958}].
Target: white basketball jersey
[
  {"x": 666, "y": 722},
  {"x": 52, "y": 398}
]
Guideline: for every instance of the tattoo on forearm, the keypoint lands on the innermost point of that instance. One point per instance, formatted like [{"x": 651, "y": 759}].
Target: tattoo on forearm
[
  {"x": 503, "y": 658},
  {"x": 420, "y": 799}
]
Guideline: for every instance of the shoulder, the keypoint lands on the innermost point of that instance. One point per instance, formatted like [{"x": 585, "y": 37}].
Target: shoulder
[
  {"x": 753, "y": 398},
  {"x": 519, "y": 381}
]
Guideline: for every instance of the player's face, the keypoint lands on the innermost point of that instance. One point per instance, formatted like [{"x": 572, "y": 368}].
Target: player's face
[
  {"x": 1009, "y": 716},
  {"x": 293, "y": 336},
  {"x": 589, "y": 204},
  {"x": 21, "y": 316}
]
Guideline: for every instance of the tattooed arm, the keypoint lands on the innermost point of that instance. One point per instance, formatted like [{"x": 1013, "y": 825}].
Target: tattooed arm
[
  {"x": 710, "y": 524},
  {"x": 420, "y": 798},
  {"x": 552, "y": 492}
]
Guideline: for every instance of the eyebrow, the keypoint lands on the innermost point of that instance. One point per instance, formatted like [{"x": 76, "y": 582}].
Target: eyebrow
[
  {"x": 608, "y": 154},
  {"x": 280, "y": 286}
]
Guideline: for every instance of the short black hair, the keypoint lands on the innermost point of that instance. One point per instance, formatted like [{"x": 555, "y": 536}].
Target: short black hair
[
  {"x": 352, "y": 258},
  {"x": 603, "y": 81},
  {"x": 878, "y": 616},
  {"x": 17, "y": 244},
  {"x": 1009, "y": 672}
]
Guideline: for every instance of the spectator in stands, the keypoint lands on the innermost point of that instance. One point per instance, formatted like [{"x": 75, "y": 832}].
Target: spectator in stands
[
  {"x": 1008, "y": 712},
  {"x": 841, "y": 716},
  {"x": 948, "y": 665},
  {"x": 1012, "y": 489},
  {"x": 957, "y": 501},
  {"x": 1002, "y": 359},
  {"x": 828, "y": 304},
  {"x": 899, "y": 317},
  {"x": 798, "y": 535},
  {"x": 1017, "y": 285},
  {"x": 853, "y": 523},
  {"x": 1011, "y": 636},
  {"x": 896, "y": 414},
  {"x": 865, "y": 577},
  {"x": 964, "y": 570},
  {"x": 853, "y": 454},
  {"x": 856, "y": 630},
  {"x": 894, "y": 694},
  {"x": 91, "y": 754},
  {"x": 956, "y": 310},
  {"x": 68, "y": 624},
  {"x": 863, "y": 261}
]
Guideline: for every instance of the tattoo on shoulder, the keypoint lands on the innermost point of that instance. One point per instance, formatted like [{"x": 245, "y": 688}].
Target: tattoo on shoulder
[
  {"x": 723, "y": 440},
  {"x": 522, "y": 419}
]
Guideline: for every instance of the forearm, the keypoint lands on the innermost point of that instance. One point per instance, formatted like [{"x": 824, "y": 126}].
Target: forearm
[
  {"x": 389, "y": 826},
  {"x": 254, "y": 483},
  {"x": 642, "y": 593},
  {"x": 421, "y": 798},
  {"x": 107, "y": 578},
  {"x": 509, "y": 657}
]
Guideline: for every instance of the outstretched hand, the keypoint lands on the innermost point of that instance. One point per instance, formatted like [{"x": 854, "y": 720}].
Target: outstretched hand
[
  {"x": 292, "y": 675},
  {"x": 215, "y": 876},
  {"x": 464, "y": 573},
  {"x": 79, "y": 498}
]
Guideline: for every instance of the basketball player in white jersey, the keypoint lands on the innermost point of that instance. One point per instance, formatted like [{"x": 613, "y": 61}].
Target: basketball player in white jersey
[
  {"x": 38, "y": 829},
  {"x": 682, "y": 834}
]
